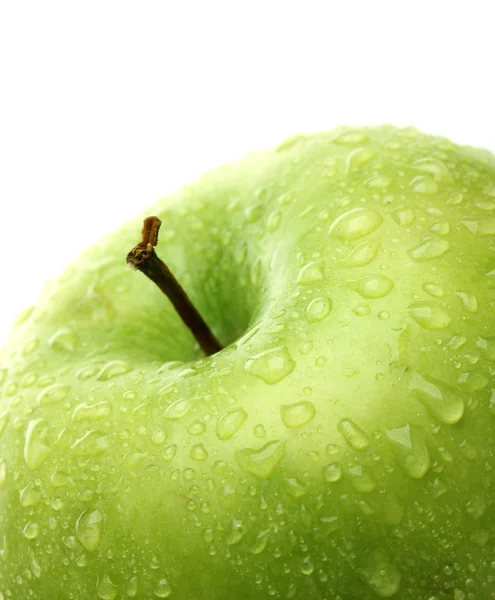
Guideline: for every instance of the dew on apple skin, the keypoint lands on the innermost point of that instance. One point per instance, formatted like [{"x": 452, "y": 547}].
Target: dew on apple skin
[
  {"x": 159, "y": 436},
  {"x": 31, "y": 530},
  {"x": 261, "y": 542},
  {"x": 3, "y": 472},
  {"x": 311, "y": 273},
  {"x": 429, "y": 316},
  {"x": 273, "y": 221},
  {"x": 271, "y": 366},
  {"x": 33, "y": 565},
  {"x": 295, "y": 487},
  {"x": 230, "y": 422},
  {"x": 469, "y": 301},
  {"x": 196, "y": 428},
  {"x": 52, "y": 394},
  {"x": 332, "y": 472},
  {"x": 132, "y": 587},
  {"x": 362, "y": 254},
  {"x": 351, "y": 138},
  {"x": 106, "y": 589},
  {"x": 433, "y": 290},
  {"x": 318, "y": 309},
  {"x": 179, "y": 409},
  {"x": 92, "y": 443},
  {"x": 162, "y": 589},
  {"x": 423, "y": 184},
  {"x": 487, "y": 346},
  {"x": 259, "y": 431},
  {"x": 355, "y": 223},
  {"x": 88, "y": 528},
  {"x": 113, "y": 369},
  {"x": 169, "y": 452},
  {"x": 261, "y": 462},
  {"x": 443, "y": 402},
  {"x": 354, "y": 435},
  {"x": 235, "y": 533},
  {"x": 372, "y": 286},
  {"x": 428, "y": 249},
  {"x": 61, "y": 479},
  {"x": 480, "y": 226},
  {"x": 440, "y": 227},
  {"x": 297, "y": 414},
  {"x": 434, "y": 167},
  {"x": 29, "y": 496},
  {"x": 361, "y": 479},
  {"x": 91, "y": 412},
  {"x": 376, "y": 569},
  {"x": 63, "y": 340},
  {"x": 198, "y": 452},
  {"x": 410, "y": 449},
  {"x": 357, "y": 158},
  {"x": 36, "y": 448}
]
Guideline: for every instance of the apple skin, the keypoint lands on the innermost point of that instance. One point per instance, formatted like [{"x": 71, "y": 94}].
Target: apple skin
[{"x": 341, "y": 446}]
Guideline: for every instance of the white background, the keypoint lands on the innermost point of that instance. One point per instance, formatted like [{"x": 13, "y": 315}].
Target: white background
[{"x": 106, "y": 106}]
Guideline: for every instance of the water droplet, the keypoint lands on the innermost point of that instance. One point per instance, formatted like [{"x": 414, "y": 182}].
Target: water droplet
[
  {"x": 353, "y": 434},
  {"x": 235, "y": 533},
  {"x": 410, "y": 450},
  {"x": 159, "y": 436},
  {"x": 114, "y": 368},
  {"x": 332, "y": 472},
  {"x": 429, "y": 248},
  {"x": 403, "y": 215},
  {"x": 318, "y": 309},
  {"x": 179, "y": 409},
  {"x": 351, "y": 137},
  {"x": 106, "y": 589},
  {"x": 469, "y": 302},
  {"x": 378, "y": 182},
  {"x": 359, "y": 157},
  {"x": 91, "y": 412},
  {"x": 433, "y": 290},
  {"x": 487, "y": 346},
  {"x": 31, "y": 530},
  {"x": 196, "y": 428},
  {"x": 480, "y": 226},
  {"x": 377, "y": 570},
  {"x": 442, "y": 401},
  {"x": 36, "y": 448},
  {"x": 33, "y": 565},
  {"x": 355, "y": 223},
  {"x": 295, "y": 487},
  {"x": 272, "y": 365},
  {"x": 61, "y": 479},
  {"x": 261, "y": 542},
  {"x": 4, "y": 418},
  {"x": 307, "y": 567},
  {"x": 53, "y": 394},
  {"x": 372, "y": 286},
  {"x": 435, "y": 167},
  {"x": 429, "y": 316},
  {"x": 297, "y": 414},
  {"x": 476, "y": 506},
  {"x": 259, "y": 431},
  {"x": 424, "y": 185},
  {"x": 198, "y": 452},
  {"x": 274, "y": 220},
  {"x": 63, "y": 340},
  {"x": 440, "y": 228},
  {"x": 169, "y": 452},
  {"x": 230, "y": 422},
  {"x": 29, "y": 496},
  {"x": 88, "y": 529},
  {"x": 3, "y": 472},
  {"x": 162, "y": 589},
  {"x": 311, "y": 273},
  {"x": 254, "y": 213},
  {"x": 92, "y": 443},
  {"x": 262, "y": 462},
  {"x": 362, "y": 254},
  {"x": 361, "y": 479},
  {"x": 132, "y": 587},
  {"x": 361, "y": 310}
]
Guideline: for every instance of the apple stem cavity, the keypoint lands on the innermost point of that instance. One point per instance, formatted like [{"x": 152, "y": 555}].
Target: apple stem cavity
[{"x": 143, "y": 258}]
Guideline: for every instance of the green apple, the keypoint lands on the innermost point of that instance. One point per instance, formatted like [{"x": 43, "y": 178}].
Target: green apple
[{"x": 341, "y": 446}]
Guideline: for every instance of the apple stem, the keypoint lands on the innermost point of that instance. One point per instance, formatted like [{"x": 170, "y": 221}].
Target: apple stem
[{"x": 143, "y": 258}]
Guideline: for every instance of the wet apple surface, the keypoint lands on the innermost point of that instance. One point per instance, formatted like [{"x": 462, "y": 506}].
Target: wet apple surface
[{"x": 342, "y": 443}]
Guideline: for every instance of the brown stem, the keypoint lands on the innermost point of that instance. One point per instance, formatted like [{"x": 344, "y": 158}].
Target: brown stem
[{"x": 143, "y": 258}]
